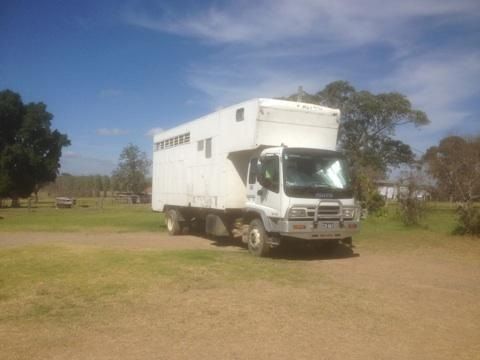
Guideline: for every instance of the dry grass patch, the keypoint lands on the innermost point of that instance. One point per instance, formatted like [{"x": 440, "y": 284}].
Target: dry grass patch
[{"x": 62, "y": 283}]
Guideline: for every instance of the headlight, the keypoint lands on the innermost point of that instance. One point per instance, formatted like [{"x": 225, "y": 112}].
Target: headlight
[
  {"x": 297, "y": 213},
  {"x": 348, "y": 212}
]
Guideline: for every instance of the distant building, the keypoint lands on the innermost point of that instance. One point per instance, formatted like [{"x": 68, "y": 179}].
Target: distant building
[
  {"x": 392, "y": 190},
  {"x": 388, "y": 189}
]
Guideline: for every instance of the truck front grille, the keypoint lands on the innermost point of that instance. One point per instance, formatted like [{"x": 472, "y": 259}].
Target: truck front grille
[{"x": 324, "y": 211}]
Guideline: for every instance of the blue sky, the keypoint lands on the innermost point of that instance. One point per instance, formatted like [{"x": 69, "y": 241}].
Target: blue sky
[{"x": 114, "y": 72}]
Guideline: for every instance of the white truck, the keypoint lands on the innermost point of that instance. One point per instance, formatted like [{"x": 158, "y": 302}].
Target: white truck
[{"x": 263, "y": 170}]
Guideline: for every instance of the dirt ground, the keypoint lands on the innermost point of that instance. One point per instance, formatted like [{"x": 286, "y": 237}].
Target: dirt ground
[{"x": 375, "y": 305}]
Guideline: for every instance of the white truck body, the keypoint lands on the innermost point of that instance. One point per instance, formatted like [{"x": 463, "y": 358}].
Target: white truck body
[
  {"x": 184, "y": 176},
  {"x": 205, "y": 164}
]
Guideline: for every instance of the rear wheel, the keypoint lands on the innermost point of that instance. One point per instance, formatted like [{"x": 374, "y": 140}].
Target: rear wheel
[
  {"x": 173, "y": 224},
  {"x": 258, "y": 239}
]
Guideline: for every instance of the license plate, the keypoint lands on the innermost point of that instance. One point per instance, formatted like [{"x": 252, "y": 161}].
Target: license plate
[{"x": 328, "y": 226}]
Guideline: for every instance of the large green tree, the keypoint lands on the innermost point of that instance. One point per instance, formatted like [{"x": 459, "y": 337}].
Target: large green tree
[
  {"x": 30, "y": 150},
  {"x": 132, "y": 170},
  {"x": 367, "y": 128}
]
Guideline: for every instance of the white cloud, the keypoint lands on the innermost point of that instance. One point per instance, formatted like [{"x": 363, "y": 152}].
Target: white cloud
[
  {"x": 227, "y": 87},
  {"x": 344, "y": 23},
  {"x": 154, "y": 131},
  {"x": 111, "y": 132},
  {"x": 439, "y": 83},
  {"x": 263, "y": 33},
  {"x": 269, "y": 47}
]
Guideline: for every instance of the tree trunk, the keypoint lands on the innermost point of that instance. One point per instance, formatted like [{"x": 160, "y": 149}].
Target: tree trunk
[{"x": 36, "y": 189}]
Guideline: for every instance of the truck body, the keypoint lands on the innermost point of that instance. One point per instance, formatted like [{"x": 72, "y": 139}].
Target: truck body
[{"x": 262, "y": 170}]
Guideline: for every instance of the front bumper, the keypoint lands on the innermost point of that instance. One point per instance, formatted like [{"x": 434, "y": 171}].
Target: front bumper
[{"x": 323, "y": 230}]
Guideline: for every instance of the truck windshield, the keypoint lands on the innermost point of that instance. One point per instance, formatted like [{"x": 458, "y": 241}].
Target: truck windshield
[{"x": 310, "y": 173}]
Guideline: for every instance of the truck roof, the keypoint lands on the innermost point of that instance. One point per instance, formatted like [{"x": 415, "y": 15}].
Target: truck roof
[
  {"x": 264, "y": 103},
  {"x": 295, "y": 106}
]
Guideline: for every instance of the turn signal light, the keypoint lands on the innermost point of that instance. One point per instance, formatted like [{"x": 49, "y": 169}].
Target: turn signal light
[{"x": 299, "y": 227}]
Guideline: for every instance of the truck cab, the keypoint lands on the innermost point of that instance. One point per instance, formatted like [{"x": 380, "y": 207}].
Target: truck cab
[{"x": 298, "y": 193}]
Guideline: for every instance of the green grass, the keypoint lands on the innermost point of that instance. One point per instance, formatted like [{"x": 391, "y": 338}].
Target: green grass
[
  {"x": 87, "y": 215},
  {"x": 64, "y": 283},
  {"x": 387, "y": 233},
  {"x": 93, "y": 216}
]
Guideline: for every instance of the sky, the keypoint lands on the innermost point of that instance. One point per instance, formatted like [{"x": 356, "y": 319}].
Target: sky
[{"x": 116, "y": 72}]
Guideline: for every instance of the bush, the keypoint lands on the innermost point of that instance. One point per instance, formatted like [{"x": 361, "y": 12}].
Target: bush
[
  {"x": 375, "y": 202},
  {"x": 469, "y": 220},
  {"x": 411, "y": 210}
]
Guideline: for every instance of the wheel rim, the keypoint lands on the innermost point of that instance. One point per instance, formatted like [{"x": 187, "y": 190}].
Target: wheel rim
[
  {"x": 169, "y": 223},
  {"x": 254, "y": 238}
]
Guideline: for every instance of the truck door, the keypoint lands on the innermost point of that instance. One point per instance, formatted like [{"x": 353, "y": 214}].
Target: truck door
[{"x": 263, "y": 190}]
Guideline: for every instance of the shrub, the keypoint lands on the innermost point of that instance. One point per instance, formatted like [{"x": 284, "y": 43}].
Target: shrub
[
  {"x": 411, "y": 210},
  {"x": 469, "y": 220},
  {"x": 375, "y": 202}
]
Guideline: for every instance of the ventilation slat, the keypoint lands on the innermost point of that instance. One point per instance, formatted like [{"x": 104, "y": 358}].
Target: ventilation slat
[{"x": 173, "y": 141}]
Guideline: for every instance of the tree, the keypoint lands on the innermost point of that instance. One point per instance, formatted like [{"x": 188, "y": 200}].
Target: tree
[
  {"x": 30, "y": 150},
  {"x": 79, "y": 185},
  {"x": 412, "y": 196},
  {"x": 106, "y": 185},
  {"x": 132, "y": 170},
  {"x": 367, "y": 128},
  {"x": 455, "y": 165}
]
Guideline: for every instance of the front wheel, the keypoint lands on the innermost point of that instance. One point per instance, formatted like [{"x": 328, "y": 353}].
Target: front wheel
[
  {"x": 258, "y": 239},
  {"x": 172, "y": 222}
]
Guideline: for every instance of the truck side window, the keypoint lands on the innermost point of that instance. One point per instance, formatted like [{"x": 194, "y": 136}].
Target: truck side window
[
  {"x": 252, "y": 176},
  {"x": 270, "y": 173},
  {"x": 200, "y": 145},
  {"x": 239, "y": 114},
  {"x": 208, "y": 148}
]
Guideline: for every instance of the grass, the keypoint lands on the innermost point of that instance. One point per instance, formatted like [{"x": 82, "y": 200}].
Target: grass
[
  {"x": 91, "y": 215},
  {"x": 88, "y": 215},
  {"x": 387, "y": 233},
  {"x": 61, "y": 282},
  {"x": 65, "y": 283},
  {"x": 51, "y": 293}
]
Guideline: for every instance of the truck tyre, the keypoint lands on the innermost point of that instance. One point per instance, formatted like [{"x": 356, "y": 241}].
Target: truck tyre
[
  {"x": 171, "y": 220},
  {"x": 258, "y": 239}
]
